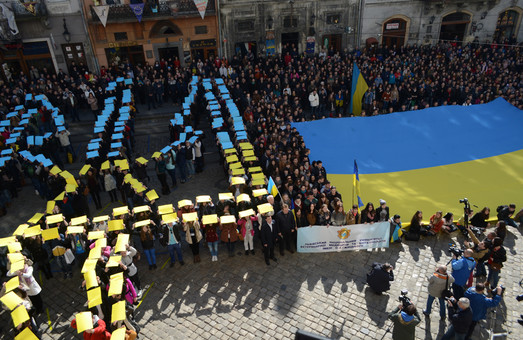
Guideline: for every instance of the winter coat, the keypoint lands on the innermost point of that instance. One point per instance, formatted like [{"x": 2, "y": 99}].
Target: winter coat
[{"x": 438, "y": 283}]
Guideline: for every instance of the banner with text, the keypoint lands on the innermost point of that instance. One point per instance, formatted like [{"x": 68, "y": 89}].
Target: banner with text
[{"x": 320, "y": 239}]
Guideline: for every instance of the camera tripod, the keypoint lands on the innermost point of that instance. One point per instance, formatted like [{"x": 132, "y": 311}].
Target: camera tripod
[{"x": 491, "y": 334}]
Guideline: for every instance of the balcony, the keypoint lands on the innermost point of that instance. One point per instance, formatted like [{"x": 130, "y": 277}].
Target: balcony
[
  {"x": 166, "y": 9},
  {"x": 22, "y": 14}
]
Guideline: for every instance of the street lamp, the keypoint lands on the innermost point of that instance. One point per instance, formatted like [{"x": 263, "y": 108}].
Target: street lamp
[{"x": 66, "y": 34}]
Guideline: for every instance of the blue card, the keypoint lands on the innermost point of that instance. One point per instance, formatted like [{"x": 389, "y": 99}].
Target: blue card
[
  {"x": 47, "y": 163},
  {"x": 6, "y": 152},
  {"x": 30, "y": 140},
  {"x": 119, "y": 128},
  {"x": 92, "y": 154},
  {"x": 116, "y": 145},
  {"x": 113, "y": 154},
  {"x": 166, "y": 149},
  {"x": 117, "y": 136},
  {"x": 93, "y": 146},
  {"x": 39, "y": 140}
]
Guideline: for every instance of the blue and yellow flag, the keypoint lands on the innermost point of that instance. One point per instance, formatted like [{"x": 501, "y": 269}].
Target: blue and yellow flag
[
  {"x": 359, "y": 87},
  {"x": 272, "y": 188},
  {"x": 356, "y": 184}
]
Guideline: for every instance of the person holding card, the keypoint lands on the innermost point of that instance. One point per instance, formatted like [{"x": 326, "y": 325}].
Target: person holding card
[
  {"x": 147, "y": 238},
  {"x": 128, "y": 266},
  {"x": 27, "y": 279},
  {"x": 247, "y": 230},
  {"x": 170, "y": 237},
  {"x": 229, "y": 235},
  {"x": 193, "y": 236}
]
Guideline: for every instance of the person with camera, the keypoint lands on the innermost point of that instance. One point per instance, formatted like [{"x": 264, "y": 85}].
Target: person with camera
[
  {"x": 480, "y": 252},
  {"x": 461, "y": 269},
  {"x": 380, "y": 276},
  {"x": 479, "y": 303},
  {"x": 405, "y": 319},
  {"x": 498, "y": 255},
  {"x": 438, "y": 287},
  {"x": 460, "y": 316}
]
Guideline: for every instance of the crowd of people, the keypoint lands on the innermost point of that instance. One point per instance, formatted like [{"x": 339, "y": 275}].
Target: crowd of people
[{"x": 269, "y": 92}]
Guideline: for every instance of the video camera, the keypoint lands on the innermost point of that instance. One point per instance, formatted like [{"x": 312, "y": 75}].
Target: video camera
[
  {"x": 465, "y": 200},
  {"x": 495, "y": 291},
  {"x": 404, "y": 299},
  {"x": 454, "y": 250}
]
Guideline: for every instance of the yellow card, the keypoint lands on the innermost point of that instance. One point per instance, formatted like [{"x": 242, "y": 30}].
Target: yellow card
[
  {"x": 142, "y": 223},
  {"x": 245, "y": 213},
  {"x": 140, "y": 189},
  {"x": 165, "y": 209},
  {"x": 203, "y": 198},
  {"x": 54, "y": 218},
  {"x": 4, "y": 241},
  {"x": 12, "y": 284},
  {"x": 90, "y": 279},
  {"x": 78, "y": 220},
  {"x": 66, "y": 174},
  {"x": 21, "y": 228},
  {"x": 152, "y": 195},
  {"x": 259, "y": 192},
  {"x": 265, "y": 208},
  {"x": 117, "y": 276},
  {"x": 243, "y": 198},
  {"x": 227, "y": 219},
  {"x": 118, "y": 311},
  {"x": 14, "y": 247},
  {"x": 95, "y": 235},
  {"x": 237, "y": 180},
  {"x": 184, "y": 203},
  {"x": 258, "y": 175},
  {"x": 115, "y": 225},
  {"x": 141, "y": 160},
  {"x": 210, "y": 219},
  {"x": 60, "y": 197},
  {"x": 55, "y": 170},
  {"x": 26, "y": 334},
  {"x": 113, "y": 261},
  {"x": 189, "y": 217},
  {"x": 19, "y": 315},
  {"x": 118, "y": 334},
  {"x": 121, "y": 242},
  {"x": 120, "y": 211},
  {"x": 255, "y": 169},
  {"x": 15, "y": 257},
  {"x": 246, "y": 146},
  {"x": 16, "y": 266},
  {"x": 101, "y": 243},
  {"x": 251, "y": 159},
  {"x": 94, "y": 296},
  {"x": 84, "y": 169},
  {"x": 50, "y": 234},
  {"x": 84, "y": 321},
  {"x": 36, "y": 217},
  {"x": 89, "y": 264},
  {"x": 229, "y": 151},
  {"x": 258, "y": 181},
  {"x": 100, "y": 218},
  {"x": 11, "y": 300},
  {"x": 231, "y": 159},
  {"x": 156, "y": 154},
  {"x": 106, "y": 165},
  {"x": 247, "y": 153},
  {"x": 236, "y": 165},
  {"x": 33, "y": 231},
  {"x": 95, "y": 253},
  {"x": 75, "y": 230},
  {"x": 238, "y": 172},
  {"x": 225, "y": 196},
  {"x": 115, "y": 286},
  {"x": 50, "y": 207},
  {"x": 168, "y": 218},
  {"x": 69, "y": 188},
  {"x": 124, "y": 165},
  {"x": 71, "y": 180},
  {"x": 141, "y": 209}
]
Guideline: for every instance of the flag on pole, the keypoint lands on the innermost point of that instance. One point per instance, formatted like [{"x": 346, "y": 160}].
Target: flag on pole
[
  {"x": 359, "y": 87},
  {"x": 356, "y": 184},
  {"x": 272, "y": 188},
  {"x": 102, "y": 12}
]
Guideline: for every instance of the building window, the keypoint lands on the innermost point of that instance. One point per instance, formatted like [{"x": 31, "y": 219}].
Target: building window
[
  {"x": 290, "y": 22},
  {"x": 333, "y": 19},
  {"x": 245, "y": 26},
  {"x": 506, "y": 26},
  {"x": 200, "y": 30},
  {"x": 119, "y": 36}
]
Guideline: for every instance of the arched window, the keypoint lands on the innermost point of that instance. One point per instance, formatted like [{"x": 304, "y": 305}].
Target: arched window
[
  {"x": 454, "y": 26},
  {"x": 394, "y": 31},
  {"x": 164, "y": 28},
  {"x": 506, "y": 25}
]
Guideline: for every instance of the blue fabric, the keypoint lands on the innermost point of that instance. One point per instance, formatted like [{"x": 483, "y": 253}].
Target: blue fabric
[
  {"x": 415, "y": 139},
  {"x": 406, "y": 317},
  {"x": 479, "y": 303},
  {"x": 461, "y": 269}
]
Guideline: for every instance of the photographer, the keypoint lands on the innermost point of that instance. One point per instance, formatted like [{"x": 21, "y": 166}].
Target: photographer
[
  {"x": 480, "y": 252},
  {"x": 460, "y": 316},
  {"x": 479, "y": 304},
  {"x": 438, "y": 283},
  {"x": 405, "y": 320},
  {"x": 461, "y": 269},
  {"x": 380, "y": 276}
]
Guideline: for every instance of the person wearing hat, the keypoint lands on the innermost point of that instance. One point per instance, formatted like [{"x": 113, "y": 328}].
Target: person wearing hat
[{"x": 382, "y": 211}]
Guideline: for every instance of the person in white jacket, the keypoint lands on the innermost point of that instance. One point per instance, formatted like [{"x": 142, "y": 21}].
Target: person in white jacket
[
  {"x": 314, "y": 100},
  {"x": 28, "y": 281},
  {"x": 126, "y": 263}
]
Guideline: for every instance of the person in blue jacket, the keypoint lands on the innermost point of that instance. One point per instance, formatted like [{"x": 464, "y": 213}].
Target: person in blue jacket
[
  {"x": 461, "y": 269},
  {"x": 479, "y": 303}
]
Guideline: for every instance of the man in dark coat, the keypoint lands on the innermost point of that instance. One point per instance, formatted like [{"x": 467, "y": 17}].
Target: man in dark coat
[
  {"x": 380, "y": 276},
  {"x": 460, "y": 316},
  {"x": 268, "y": 235},
  {"x": 287, "y": 227}
]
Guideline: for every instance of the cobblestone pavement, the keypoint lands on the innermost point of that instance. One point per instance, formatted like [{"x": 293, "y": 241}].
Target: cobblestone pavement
[{"x": 242, "y": 298}]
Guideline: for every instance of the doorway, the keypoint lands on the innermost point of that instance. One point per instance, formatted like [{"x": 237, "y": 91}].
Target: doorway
[
  {"x": 332, "y": 42},
  {"x": 394, "y": 31},
  {"x": 167, "y": 53},
  {"x": 74, "y": 53},
  {"x": 454, "y": 27},
  {"x": 290, "y": 41}
]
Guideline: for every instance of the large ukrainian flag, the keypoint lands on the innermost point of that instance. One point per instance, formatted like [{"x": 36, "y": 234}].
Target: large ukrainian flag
[
  {"x": 358, "y": 89},
  {"x": 427, "y": 159}
]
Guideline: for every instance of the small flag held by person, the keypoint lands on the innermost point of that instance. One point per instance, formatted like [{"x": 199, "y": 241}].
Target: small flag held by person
[{"x": 272, "y": 188}]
